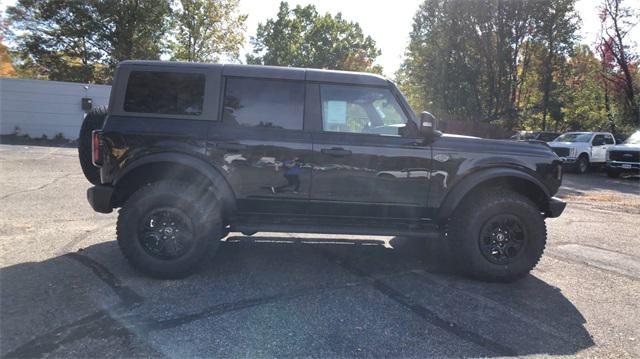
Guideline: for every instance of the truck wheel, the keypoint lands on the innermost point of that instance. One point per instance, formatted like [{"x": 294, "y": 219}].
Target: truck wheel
[
  {"x": 497, "y": 236},
  {"x": 92, "y": 121},
  {"x": 165, "y": 229},
  {"x": 582, "y": 164}
]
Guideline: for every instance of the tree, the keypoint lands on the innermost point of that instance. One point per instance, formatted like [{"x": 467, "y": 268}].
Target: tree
[
  {"x": 556, "y": 31},
  {"x": 463, "y": 57},
  {"x": 84, "y": 40},
  {"x": 205, "y": 30},
  {"x": 617, "y": 54},
  {"x": 472, "y": 59},
  {"x": 301, "y": 37},
  {"x": 6, "y": 62},
  {"x": 583, "y": 106}
]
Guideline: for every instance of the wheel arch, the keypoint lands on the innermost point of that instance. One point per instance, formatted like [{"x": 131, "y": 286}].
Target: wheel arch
[
  {"x": 495, "y": 178},
  {"x": 176, "y": 166}
]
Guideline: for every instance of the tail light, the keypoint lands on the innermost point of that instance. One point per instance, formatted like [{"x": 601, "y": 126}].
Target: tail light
[{"x": 96, "y": 157}]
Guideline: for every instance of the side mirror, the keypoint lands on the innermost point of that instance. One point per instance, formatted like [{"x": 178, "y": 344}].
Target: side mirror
[{"x": 428, "y": 124}]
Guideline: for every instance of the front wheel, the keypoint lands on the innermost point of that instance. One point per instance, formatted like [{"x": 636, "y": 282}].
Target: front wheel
[
  {"x": 165, "y": 228},
  {"x": 582, "y": 164},
  {"x": 497, "y": 236}
]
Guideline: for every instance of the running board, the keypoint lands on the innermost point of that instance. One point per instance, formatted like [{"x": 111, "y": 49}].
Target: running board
[{"x": 333, "y": 225}]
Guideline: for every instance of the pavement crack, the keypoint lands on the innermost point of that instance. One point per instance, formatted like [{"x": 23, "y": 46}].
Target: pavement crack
[
  {"x": 36, "y": 188},
  {"x": 105, "y": 324},
  {"x": 79, "y": 238},
  {"x": 126, "y": 294},
  {"x": 421, "y": 311},
  {"x": 497, "y": 306}
]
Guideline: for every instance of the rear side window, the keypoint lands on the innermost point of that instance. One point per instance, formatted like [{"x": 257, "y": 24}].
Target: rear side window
[
  {"x": 264, "y": 103},
  {"x": 608, "y": 140},
  {"x": 171, "y": 93}
]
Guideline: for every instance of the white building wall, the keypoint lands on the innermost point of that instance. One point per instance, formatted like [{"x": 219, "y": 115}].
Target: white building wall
[{"x": 39, "y": 107}]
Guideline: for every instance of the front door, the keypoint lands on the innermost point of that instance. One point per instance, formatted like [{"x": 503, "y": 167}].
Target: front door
[
  {"x": 599, "y": 146},
  {"x": 261, "y": 145},
  {"x": 362, "y": 165}
]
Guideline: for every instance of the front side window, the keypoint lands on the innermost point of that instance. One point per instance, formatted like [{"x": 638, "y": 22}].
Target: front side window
[
  {"x": 264, "y": 103},
  {"x": 598, "y": 140},
  {"x": 354, "y": 109},
  {"x": 170, "y": 93}
]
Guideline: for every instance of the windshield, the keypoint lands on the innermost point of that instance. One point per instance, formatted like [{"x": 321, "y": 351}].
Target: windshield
[
  {"x": 574, "y": 137},
  {"x": 634, "y": 139}
]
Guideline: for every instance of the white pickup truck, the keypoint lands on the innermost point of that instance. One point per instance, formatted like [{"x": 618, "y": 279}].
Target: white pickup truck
[{"x": 582, "y": 149}]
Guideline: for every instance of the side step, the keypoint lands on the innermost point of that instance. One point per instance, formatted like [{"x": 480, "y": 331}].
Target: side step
[{"x": 258, "y": 222}]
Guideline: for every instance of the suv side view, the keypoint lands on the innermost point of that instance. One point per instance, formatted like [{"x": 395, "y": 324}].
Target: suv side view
[{"x": 189, "y": 152}]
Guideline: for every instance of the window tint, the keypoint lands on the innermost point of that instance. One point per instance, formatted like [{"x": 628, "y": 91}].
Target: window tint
[
  {"x": 598, "y": 140},
  {"x": 608, "y": 140},
  {"x": 547, "y": 137},
  {"x": 164, "y": 93},
  {"x": 360, "y": 110},
  {"x": 264, "y": 103}
]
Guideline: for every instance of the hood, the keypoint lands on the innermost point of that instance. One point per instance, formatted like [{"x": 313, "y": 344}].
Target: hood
[
  {"x": 625, "y": 147},
  {"x": 565, "y": 144}
]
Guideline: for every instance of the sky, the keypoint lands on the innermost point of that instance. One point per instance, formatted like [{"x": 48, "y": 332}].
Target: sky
[{"x": 388, "y": 22}]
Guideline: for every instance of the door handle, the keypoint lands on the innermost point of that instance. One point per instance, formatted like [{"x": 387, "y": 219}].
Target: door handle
[
  {"x": 335, "y": 151},
  {"x": 230, "y": 146}
]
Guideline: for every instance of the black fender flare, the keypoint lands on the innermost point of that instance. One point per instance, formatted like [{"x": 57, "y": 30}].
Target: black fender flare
[
  {"x": 470, "y": 181},
  {"x": 220, "y": 185}
]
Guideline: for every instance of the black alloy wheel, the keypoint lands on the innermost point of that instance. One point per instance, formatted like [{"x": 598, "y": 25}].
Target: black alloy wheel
[
  {"x": 502, "y": 239},
  {"x": 166, "y": 233}
]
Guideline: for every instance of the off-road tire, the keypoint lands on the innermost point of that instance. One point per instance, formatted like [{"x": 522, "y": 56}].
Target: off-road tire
[
  {"x": 92, "y": 121},
  {"x": 582, "y": 164},
  {"x": 464, "y": 233},
  {"x": 203, "y": 210}
]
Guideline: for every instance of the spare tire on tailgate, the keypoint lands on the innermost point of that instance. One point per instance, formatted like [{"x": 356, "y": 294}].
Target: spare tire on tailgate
[{"x": 92, "y": 121}]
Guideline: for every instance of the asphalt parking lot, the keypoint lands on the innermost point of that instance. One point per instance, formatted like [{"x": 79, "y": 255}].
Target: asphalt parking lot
[{"x": 66, "y": 290}]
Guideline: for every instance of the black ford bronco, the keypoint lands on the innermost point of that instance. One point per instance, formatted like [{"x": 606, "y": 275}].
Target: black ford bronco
[{"x": 189, "y": 152}]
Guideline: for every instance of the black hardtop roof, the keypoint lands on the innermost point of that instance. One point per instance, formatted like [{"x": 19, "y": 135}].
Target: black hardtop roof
[{"x": 280, "y": 72}]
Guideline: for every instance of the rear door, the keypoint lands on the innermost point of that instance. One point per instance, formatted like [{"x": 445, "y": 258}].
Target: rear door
[
  {"x": 363, "y": 162},
  {"x": 260, "y": 142}
]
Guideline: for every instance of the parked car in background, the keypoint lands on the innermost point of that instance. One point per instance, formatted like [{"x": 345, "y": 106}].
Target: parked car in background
[
  {"x": 625, "y": 157},
  {"x": 582, "y": 149},
  {"x": 535, "y": 135}
]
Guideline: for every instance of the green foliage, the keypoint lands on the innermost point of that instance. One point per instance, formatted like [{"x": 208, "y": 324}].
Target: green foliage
[
  {"x": 84, "y": 40},
  {"x": 301, "y": 37},
  {"x": 468, "y": 59},
  {"x": 205, "y": 30},
  {"x": 583, "y": 95}
]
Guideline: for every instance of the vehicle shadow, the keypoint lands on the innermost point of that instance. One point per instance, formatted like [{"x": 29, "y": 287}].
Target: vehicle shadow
[{"x": 281, "y": 296}]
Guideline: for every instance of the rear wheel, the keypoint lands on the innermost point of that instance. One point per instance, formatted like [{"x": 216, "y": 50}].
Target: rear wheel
[
  {"x": 497, "y": 236},
  {"x": 582, "y": 164},
  {"x": 165, "y": 229},
  {"x": 92, "y": 121}
]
